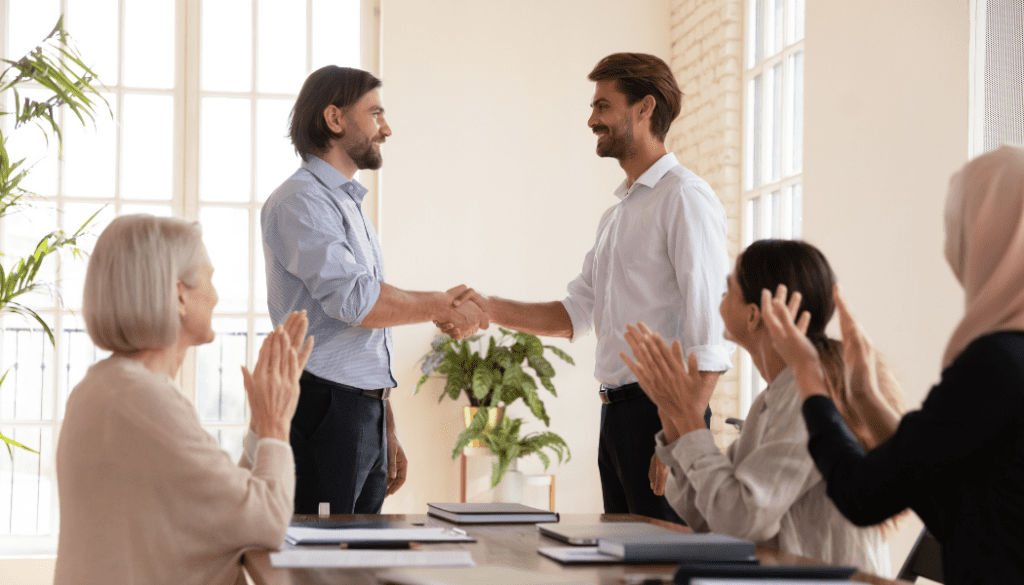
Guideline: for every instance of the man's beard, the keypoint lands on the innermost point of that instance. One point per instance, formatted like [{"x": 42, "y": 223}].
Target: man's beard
[
  {"x": 618, "y": 143},
  {"x": 365, "y": 155}
]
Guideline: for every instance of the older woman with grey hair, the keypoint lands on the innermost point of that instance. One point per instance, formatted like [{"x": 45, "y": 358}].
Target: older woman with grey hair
[{"x": 146, "y": 494}]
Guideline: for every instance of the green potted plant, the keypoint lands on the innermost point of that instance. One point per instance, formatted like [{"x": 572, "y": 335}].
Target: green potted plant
[
  {"x": 57, "y": 67},
  {"x": 492, "y": 379}
]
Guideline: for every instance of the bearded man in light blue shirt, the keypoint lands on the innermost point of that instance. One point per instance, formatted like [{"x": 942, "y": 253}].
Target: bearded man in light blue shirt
[{"x": 323, "y": 256}]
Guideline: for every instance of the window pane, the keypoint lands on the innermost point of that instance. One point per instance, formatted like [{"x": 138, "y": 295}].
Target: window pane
[
  {"x": 77, "y": 353},
  {"x": 227, "y": 45},
  {"x": 773, "y": 115},
  {"x": 30, "y": 144},
  {"x": 755, "y": 111},
  {"x": 336, "y": 33},
  {"x": 755, "y": 38},
  {"x": 753, "y": 223},
  {"x": 26, "y": 394},
  {"x": 93, "y": 24},
  {"x": 22, "y": 231},
  {"x": 147, "y": 146},
  {"x": 776, "y": 211},
  {"x": 27, "y": 483},
  {"x": 230, "y": 439},
  {"x": 275, "y": 157},
  {"x": 773, "y": 28},
  {"x": 157, "y": 210},
  {"x": 220, "y": 393},
  {"x": 89, "y": 153},
  {"x": 149, "y": 43},
  {"x": 226, "y": 235},
  {"x": 795, "y": 27},
  {"x": 73, "y": 269},
  {"x": 281, "y": 58},
  {"x": 798, "y": 218},
  {"x": 224, "y": 155},
  {"x": 259, "y": 278},
  {"x": 35, "y": 19},
  {"x": 796, "y": 115}
]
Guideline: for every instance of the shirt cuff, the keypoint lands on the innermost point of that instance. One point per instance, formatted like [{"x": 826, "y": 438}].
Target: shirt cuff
[
  {"x": 712, "y": 358},
  {"x": 682, "y": 453},
  {"x": 251, "y": 442},
  {"x": 372, "y": 296},
  {"x": 581, "y": 321}
]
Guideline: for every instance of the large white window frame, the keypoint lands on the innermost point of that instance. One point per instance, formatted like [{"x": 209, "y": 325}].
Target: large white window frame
[
  {"x": 772, "y": 180},
  {"x": 186, "y": 201}
]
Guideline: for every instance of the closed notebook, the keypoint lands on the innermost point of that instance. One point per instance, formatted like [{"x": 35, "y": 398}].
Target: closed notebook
[
  {"x": 677, "y": 547},
  {"x": 484, "y": 513}
]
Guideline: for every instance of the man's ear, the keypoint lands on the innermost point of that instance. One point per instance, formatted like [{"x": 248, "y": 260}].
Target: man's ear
[
  {"x": 646, "y": 107},
  {"x": 335, "y": 119}
]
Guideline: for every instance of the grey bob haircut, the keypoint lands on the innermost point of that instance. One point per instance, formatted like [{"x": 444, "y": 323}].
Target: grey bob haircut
[{"x": 130, "y": 301}]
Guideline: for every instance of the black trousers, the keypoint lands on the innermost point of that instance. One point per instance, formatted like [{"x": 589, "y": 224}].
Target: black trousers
[
  {"x": 340, "y": 445},
  {"x": 624, "y": 458}
]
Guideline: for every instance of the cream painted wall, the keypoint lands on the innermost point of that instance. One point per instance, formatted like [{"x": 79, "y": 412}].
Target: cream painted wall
[
  {"x": 886, "y": 124},
  {"x": 490, "y": 179}
]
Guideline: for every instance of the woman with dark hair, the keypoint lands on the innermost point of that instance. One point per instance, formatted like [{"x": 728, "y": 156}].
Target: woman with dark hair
[
  {"x": 765, "y": 487},
  {"x": 959, "y": 460}
]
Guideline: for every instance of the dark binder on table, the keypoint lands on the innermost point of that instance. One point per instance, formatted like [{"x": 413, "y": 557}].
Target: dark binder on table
[
  {"x": 483, "y": 513},
  {"x": 590, "y": 534},
  {"x": 677, "y": 546},
  {"x": 687, "y": 571}
]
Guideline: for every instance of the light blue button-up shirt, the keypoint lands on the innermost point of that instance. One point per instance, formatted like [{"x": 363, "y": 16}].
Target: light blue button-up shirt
[{"x": 323, "y": 255}]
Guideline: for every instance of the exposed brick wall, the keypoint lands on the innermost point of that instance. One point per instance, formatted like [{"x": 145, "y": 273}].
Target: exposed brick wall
[{"x": 707, "y": 59}]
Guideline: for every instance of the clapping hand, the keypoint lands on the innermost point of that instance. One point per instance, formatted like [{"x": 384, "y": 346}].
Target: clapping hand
[
  {"x": 465, "y": 314},
  {"x": 273, "y": 385},
  {"x": 789, "y": 338},
  {"x": 671, "y": 383}
]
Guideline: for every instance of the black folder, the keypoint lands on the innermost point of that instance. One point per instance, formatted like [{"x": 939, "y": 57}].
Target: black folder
[{"x": 687, "y": 571}]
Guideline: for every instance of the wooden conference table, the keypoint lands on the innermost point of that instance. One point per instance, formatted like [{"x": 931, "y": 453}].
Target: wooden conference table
[{"x": 509, "y": 545}]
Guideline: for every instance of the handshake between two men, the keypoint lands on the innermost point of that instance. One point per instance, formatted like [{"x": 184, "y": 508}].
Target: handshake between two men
[{"x": 465, "y": 313}]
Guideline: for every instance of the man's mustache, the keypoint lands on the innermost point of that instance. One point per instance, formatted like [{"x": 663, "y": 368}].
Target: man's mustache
[{"x": 604, "y": 129}]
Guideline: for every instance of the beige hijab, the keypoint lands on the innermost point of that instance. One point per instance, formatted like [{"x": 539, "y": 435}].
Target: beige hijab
[{"x": 985, "y": 245}]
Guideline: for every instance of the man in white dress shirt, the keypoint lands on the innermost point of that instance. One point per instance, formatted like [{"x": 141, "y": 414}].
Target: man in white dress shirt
[{"x": 660, "y": 257}]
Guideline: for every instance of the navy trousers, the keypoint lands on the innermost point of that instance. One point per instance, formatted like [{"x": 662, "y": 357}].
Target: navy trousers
[
  {"x": 624, "y": 459},
  {"x": 340, "y": 445}
]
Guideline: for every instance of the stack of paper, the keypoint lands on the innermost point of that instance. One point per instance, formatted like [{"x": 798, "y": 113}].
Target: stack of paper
[{"x": 335, "y": 558}]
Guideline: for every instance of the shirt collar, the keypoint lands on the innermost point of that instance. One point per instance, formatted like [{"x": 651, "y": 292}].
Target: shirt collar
[
  {"x": 651, "y": 176},
  {"x": 333, "y": 179}
]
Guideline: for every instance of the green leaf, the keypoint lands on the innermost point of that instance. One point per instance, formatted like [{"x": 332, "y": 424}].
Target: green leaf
[
  {"x": 542, "y": 366},
  {"x": 423, "y": 379},
  {"x": 561, "y": 354},
  {"x": 477, "y": 427},
  {"x": 483, "y": 379}
]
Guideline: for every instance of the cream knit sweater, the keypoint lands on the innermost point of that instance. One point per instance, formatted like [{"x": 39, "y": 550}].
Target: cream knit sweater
[{"x": 147, "y": 495}]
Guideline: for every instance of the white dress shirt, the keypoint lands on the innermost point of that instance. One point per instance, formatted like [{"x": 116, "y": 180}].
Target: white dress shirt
[
  {"x": 660, "y": 257},
  {"x": 766, "y": 487}
]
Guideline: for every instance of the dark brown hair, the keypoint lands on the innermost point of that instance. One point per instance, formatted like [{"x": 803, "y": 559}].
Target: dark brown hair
[
  {"x": 638, "y": 75},
  {"x": 766, "y": 264},
  {"x": 330, "y": 85}
]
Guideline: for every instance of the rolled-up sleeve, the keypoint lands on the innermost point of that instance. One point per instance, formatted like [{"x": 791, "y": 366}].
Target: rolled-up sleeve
[
  {"x": 306, "y": 240},
  {"x": 580, "y": 301},
  {"x": 696, "y": 240}
]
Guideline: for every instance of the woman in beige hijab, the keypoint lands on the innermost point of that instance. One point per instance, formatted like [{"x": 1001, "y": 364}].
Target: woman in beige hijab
[
  {"x": 959, "y": 460},
  {"x": 146, "y": 494}
]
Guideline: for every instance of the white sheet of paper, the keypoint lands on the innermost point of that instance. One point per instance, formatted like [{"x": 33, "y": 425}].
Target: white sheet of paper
[
  {"x": 483, "y": 575},
  {"x": 577, "y": 554},
  {"x": 294, "y": 558},
  {"x": 718, "y": 581},
  {"x": 307, "y": 535}
]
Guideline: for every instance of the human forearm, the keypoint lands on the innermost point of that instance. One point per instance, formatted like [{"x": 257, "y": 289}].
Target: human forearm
[
  {"x": 548, "y": 319},
  {"x": 395, "y": 306}
]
